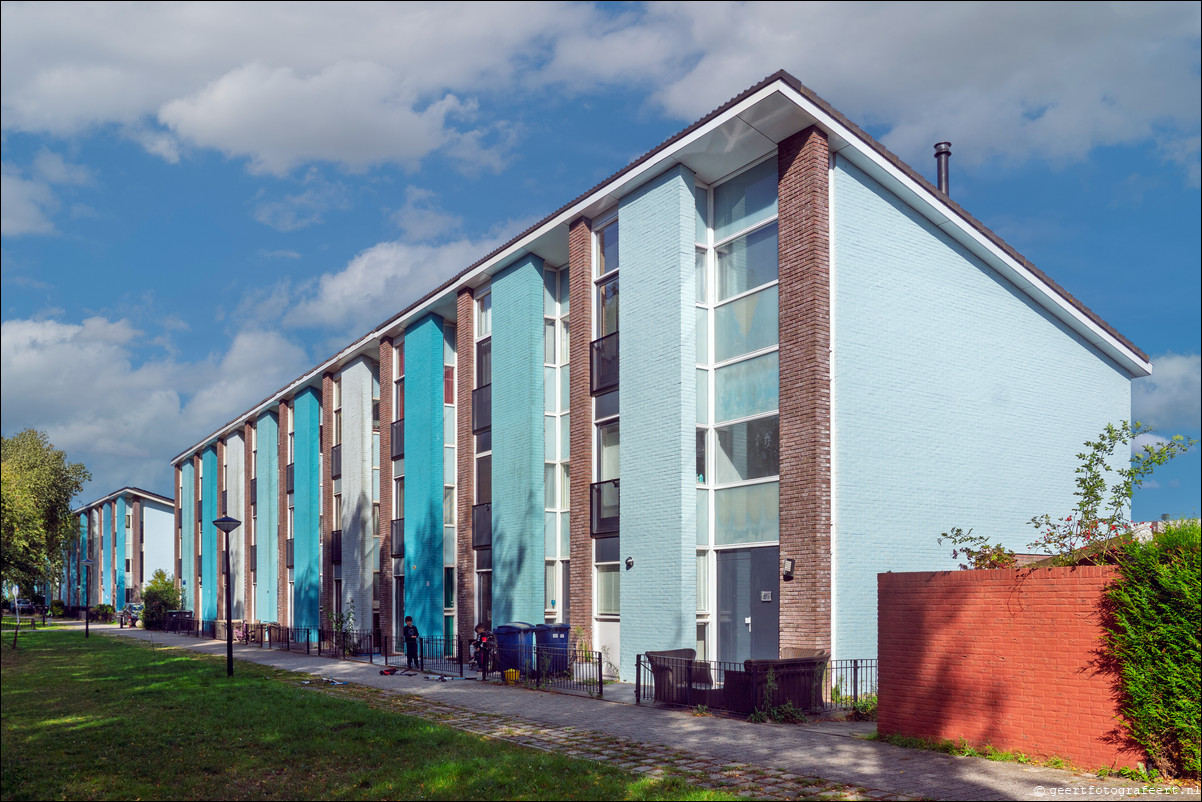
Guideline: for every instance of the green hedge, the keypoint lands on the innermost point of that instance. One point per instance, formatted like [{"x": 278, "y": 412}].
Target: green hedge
[{"x": 1153, "y": 647}]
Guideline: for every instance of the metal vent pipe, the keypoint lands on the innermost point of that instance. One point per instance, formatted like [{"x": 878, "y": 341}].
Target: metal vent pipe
[{"x": 943, "y": 152}]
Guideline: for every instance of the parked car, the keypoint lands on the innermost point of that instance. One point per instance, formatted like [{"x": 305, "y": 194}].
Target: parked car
[
  {"x": 131, "y": 613},
  {"x": 25, "y": 607}
]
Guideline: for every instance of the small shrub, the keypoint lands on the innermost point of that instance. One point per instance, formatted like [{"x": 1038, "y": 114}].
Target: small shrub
[
  {"x": 159, "y": 598},
  {"x": 864, "y": 709},
  {"x": 57, "y": 608}
]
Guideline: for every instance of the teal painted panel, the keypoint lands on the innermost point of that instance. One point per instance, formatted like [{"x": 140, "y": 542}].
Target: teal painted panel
[
  {"x": 658, "y": 411},
  {"x": 267, "y": 524},
  {"x": 957, "y": 401},
  {"x": 306, "y": 564},
  {"x": 209, "y": 544},
  {"x": 424, "y": 473},
  {"x": 105, "y": 561},
  {"x": 80, "y": 568},
  {"x": 188, "y": 534},
  {"x": 517, "y": 442},
  {"x": 119, "y": 560}
]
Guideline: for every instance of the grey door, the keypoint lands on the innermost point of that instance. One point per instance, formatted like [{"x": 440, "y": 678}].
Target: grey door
[{"x": 748, "y": 604}]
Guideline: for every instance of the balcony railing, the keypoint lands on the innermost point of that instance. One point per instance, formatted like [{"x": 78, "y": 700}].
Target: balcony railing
[
  {"x": 604, "y": 363},
  {"x": 199, "y": 511},
  {"x": 336, "y": 461},
  {"x": 254, "y": 490},
  {"x": 398, "y": 438},
  {"x": 606, "y": 506},
  {"x": 336, "y": 546},
  {"x": 289, "y": 474},
  {"x": 288, "y": 552},
  {"x": 199, "y": 567},
  {"x": 398, "y": 537},
  {"x": 482, "y": 526},
  {"x": 252, "y": 556},
  {"x": 225, "y": 502},
  {"x": 482, "y": 408}
]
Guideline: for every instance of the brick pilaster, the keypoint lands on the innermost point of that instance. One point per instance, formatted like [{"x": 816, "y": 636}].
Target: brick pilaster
[
  {"x": 580, "y": 404},
  {"x": 281, "y": 537},
  {"x": 465, "y": 562},
  {"x": 325, "y": 604},
  {"x": 386, "y": 391},
  {"x": 247, "y": 504},
  {"x": 803, "y": 162}
]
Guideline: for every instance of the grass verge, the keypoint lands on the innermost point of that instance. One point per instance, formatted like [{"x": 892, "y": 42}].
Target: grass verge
[{"x": 106, "y": 719}]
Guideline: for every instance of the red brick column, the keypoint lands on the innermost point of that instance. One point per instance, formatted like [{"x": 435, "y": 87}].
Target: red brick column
[
  {"x": 465, "y": 559},
  {"x": 281, "y": 535},
  {"x": 325, "y": 604},
  {"x": 386, "y": 390},
  {"x": 805, "y": 410},
  {"x": 248, "y": 430},
  {"x": 580, "y": 404}
]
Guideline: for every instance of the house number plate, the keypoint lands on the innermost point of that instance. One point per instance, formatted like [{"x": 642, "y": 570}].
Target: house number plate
[{"x": 766, "y": 595}]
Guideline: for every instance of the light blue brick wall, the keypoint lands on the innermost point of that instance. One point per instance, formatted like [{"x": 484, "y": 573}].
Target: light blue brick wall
[
  {"x": 957, "y": 401},
  {"x": 80, "y": 568},
  {"x": 267, "y": 507},
  {"x": 188, "y": 535},
  {"x": 518, "y": 451},
  {"x": 105, "y": 558},
  {"x": 424, "y": 473},
  {"x": 658, "y": 416},
  {"x": 210, "y": 546},
  {"x": 119, "y": 548},
  {"x": 359, "y": 558},
  {"x": 306, "y": 482}
]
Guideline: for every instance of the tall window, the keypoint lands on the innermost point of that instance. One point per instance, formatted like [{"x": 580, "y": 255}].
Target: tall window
[
  {"x": 449, "y": 465},
  {"x": 604, "y": 495},
  {"x": 556, "y": 445}
]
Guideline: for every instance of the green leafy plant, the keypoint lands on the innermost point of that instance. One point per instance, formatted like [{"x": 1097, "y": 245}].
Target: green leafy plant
[
  {"x": 159, "y": 597},
  {"x": 977, "y": 550},
  {"x": 785, "y": 713},
  {"x": 57, "y": 608}
]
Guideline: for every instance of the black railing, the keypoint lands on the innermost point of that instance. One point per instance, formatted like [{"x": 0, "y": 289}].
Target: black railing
[
  {"x": 252, "y": 556},
  {"x": 292, "y": 639},
  {"x": 850, "y": 683},
  {"x": 482, "y": 408},
  {"x": 437, "y": 655},
  {"x": 398, "y": 438},
  {"x": 254, "y": 490},
  {"x": 604, "y": 363},
  {"x": 353, "y": 644},
  {"x": 548, "y": 667},
  {"x": 482, "y": 525},
  {"x": 224, "y": 502},
  {"x": 289, "y": 476},
  {"x": 199, "y": 566},
  {"x": 336, "y": 546},
  {"x": 289, "y": 552},
  {"x": 398, "y": 537},
  {"x": 179, "y": 517},
  {"x": 336, "y": 461},
  {"x": 199, "y": 510},
  {"x": 606, "y": 505}
]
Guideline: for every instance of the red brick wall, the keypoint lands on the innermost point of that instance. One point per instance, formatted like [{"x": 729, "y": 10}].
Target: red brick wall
[
  {"x": 803, "y": 164},
  {"x": 580, "y": 402},
  {"x": 386, "y": 418},
  {"x": 998, "y": 657},
  {"x": 248, "y": 456},
  {"x": 465, "y": 375}
]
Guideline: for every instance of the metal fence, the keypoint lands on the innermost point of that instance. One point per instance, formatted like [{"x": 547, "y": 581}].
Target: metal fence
[
  {"x": 438, "y": 655},
  {"x": 545, "y": 667},
  {"x": 352, "y": 644},
  {"x": 805, "y": 684}
]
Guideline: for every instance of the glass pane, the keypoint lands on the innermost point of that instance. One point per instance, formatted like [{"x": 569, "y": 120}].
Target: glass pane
[
  {"x": 703, "y": 518},
  {"x": 564, "y": 343},
  {"x": 701, "y": 456},
  {"x": 484, "y": 441},
  {"x": 549, "y": 292},
  {"x": 747, "y": 388},
  {"x": 701, "y": 197},
  {"x": 703, "y": 584},
  {"x": 701, "y": 639},
  {"x": 607, "y": 452},
  {"x": 746, "y": 325},
  {"x": 607, "y": 549},
  {"x": 700, "y": 278},
  {"x": 484, "y": 479},
  {"x": 748, "y": 262},
  {"x": 550, "y": 448},
  {"x": 448, "y": 465},
  {"x": 565, "y": 487},
  {"x": 607, "y": 249},
  {"x": 550, "y": 536},
  {"x": 549, "y": 342},
  {"x": 448, "y": 506},
  {"x": 448, "y": 344},
  {"x": 748, "y": 514},
  {"x": 398, "y": 499},
  {"x": 564, "y": 393},
  {"x": 607, "y": 307},
  {"x": 549, "y": 495},
  {"x": 607, "y": 405},
  {"x": 484, "y": 316},
  {"x": 745, "y": 199},
  {"x": 448, "y": 426},
  {"x": 703, "y": 396},
  {"x": 484, "y": 362},
  {"x": 550, "y": 388},
  {"x": 703, "y": 335},
  {"x": 565, "y": 431},
  {"x": 608, "y": 590},
  {"x": 448, "y": 548},
  {"x": 748, "y": 450},
  {"x": 565, "y": 535},
  {"x": 563, "y": 291},
  {"x": 549, "y": 586}
]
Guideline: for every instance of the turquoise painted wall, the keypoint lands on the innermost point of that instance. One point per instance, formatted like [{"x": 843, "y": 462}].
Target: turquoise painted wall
[
  {"x": 518, "y": 451},
  {"x": 104, "y": 561},
  {"x": 657, "y": 366},
  {"x": 307, "y": 489},
  {"x": 188, "y": 535},
  {"x": 957, "y": 401},
  {"x": 210, "y": 545},
  {"x": 267, "y": 507},
  {"x": 424, "y": 473},
  {"x": 119, "y": 544}
]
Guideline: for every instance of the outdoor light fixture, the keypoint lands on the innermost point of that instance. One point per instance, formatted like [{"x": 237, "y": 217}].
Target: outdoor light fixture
[
  {"x": 227, "y": 524},
  {"x": 629, "y": 563},
  {"x": 787, "y": 573},
  {"x": 87, "y": 594}
]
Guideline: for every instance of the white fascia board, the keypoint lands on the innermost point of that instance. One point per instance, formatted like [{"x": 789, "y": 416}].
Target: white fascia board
[
  {"x": 125, "y": 491},
  {"x": 961, "y": 230},
  {"x": 621, "y": 185}
]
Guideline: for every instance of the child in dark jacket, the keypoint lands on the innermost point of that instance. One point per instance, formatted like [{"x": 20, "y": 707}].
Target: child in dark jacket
[{"x": 411, "y": 636}]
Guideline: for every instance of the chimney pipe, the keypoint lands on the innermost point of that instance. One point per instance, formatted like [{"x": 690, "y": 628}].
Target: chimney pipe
[{"x": 943, "y": 152}]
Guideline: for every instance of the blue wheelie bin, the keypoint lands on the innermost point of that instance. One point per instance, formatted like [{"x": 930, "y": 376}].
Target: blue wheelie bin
[
  {"x": 553, "y": 652},
  {"x": 515, "y": 647}
]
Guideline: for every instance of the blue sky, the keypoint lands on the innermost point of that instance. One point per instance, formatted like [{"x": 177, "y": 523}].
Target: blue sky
[{"x": 200, "y": 201}]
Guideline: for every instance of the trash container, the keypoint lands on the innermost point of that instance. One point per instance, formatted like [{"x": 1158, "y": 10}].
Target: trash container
[
  {"x": 553, "y": 652},
  {"x": 515, "y": 646}
]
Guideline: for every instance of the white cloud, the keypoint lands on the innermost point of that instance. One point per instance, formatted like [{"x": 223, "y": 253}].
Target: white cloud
[
  {"x": 124, "y": 415},
  {"x": 1171, "y": 398},
  {"x": 305, "y": 208},
  {"x": 25, "y": 205},
  {"x": 422, "y": 218}
]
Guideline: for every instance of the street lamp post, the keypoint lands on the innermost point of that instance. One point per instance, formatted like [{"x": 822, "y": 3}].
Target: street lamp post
[
  {"x": 227, "y": 524},
  {"x": 87, "y": 594}
]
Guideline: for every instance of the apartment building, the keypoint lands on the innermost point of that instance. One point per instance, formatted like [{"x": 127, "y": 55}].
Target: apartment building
[
  {"x": 128, "y": 535},
  {"x": 703, "y": 404}
]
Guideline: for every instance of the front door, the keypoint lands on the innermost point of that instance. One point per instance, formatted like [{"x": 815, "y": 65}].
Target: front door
[{"x": 748, "y": 604}]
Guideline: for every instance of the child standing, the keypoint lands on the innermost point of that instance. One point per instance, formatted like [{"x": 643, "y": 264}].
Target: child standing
[{"x": 411, "y": 635}]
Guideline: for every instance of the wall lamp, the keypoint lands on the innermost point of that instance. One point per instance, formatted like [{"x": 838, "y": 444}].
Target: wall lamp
[{"x": 787, "y": 573}]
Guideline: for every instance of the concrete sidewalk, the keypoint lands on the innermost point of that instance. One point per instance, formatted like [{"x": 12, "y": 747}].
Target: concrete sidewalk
[{"x": 756, "y": 760}]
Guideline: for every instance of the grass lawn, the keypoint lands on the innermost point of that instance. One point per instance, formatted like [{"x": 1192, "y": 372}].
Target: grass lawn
[{"x": 107, "y": 719}]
